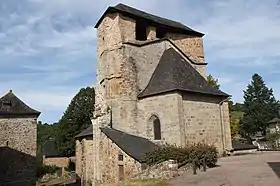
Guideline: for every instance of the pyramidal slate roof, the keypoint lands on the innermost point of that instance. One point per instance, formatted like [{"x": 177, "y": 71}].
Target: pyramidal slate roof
[
  {"x": 175, "y": 73},
  {"x": 135, "y": 146},
  {"x": 138, "y": 14},
  {"x": 87, "y": 132},
  {"x": 11, "y": 105}
]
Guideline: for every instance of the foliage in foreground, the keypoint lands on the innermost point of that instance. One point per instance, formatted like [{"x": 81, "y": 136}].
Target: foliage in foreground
[
  {"x": 184, "y": 155},
  {"x": 46, "y": 169}
]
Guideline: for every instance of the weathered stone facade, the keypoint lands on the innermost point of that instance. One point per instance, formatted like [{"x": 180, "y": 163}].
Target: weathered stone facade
[
  {"x": 125, "y": 68},
  {"x": 109, "y": 153},
  {"x": 84, "y": 160},
  {"x": 18, "y": 136},
  {"x": 57, "y": 161}
]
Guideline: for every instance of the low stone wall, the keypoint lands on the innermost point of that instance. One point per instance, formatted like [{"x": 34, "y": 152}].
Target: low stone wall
[
  {"x": 165, "y": 170},
  {"x": 58, "y": 161}
]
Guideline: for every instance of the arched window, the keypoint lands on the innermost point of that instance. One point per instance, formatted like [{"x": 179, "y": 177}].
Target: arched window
[{"x": 156, "y": 126}]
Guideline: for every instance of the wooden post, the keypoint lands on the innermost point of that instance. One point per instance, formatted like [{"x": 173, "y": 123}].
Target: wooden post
[
  {"x": 194, "y": 166},
  {"x": 204, "y": 165}
]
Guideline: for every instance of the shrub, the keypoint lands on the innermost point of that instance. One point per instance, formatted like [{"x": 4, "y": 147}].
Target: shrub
[
  {"x": 46, "y": 169},
  {"x": 71, "y": 166},
  {"x": 192, "y": 152}
]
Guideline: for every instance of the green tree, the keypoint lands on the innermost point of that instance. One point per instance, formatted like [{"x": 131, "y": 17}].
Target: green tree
[
  {"x": 75, "y": 119},
  {"x": 259, "y": 107},
  {"x": 212, "y": 81},
  {"x": 44, "y": 132}
]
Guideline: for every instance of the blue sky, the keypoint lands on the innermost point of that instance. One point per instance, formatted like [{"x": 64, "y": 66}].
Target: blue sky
[{"x": 48, "y": 47}]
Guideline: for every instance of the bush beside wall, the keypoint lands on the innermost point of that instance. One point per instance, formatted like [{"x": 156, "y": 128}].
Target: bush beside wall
[{"x": 183, "y": 155}]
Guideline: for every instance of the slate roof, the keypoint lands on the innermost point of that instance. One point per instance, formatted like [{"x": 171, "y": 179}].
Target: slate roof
[
  {"x": 136, "y": 14},
  {"x": 10, "y": 104},
  {"x": 87, "y": 132},
  {"x": 175, "y": 73},
  {"x": 134, "y": 146},
  {"x": 49, "y": 149},
  {"x": 274, "y": 120}
]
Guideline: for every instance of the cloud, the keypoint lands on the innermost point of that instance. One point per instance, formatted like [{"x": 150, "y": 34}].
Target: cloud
[{"x": 48, "y": 47}]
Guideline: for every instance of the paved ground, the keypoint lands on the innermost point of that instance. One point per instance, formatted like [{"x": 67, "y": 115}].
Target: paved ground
[{"x": 261, "y": 169}]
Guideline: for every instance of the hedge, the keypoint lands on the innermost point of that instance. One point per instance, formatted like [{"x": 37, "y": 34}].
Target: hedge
[
  {"x": 192, "y": 152},
  {"x": 46, "y": 169}
]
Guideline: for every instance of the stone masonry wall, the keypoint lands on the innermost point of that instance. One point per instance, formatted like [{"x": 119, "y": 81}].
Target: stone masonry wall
[
  {"x": 57, "y": 161},
  {"x": 146, "y": 60},
  {"x": 226, "y": 126},
  {"x": 192, "y": 46},
  {"x": 124, "y": 70},
  {"x": 165, "y": 107},
  {"x": 78, "y": 154},
  {"x": 109, "y": 162},
  {"x": 201, "y": 116},
  {"x": 116, "y": 73},
  {"x": 84, "y": 161},
  {"x": 18, "y": 150}
]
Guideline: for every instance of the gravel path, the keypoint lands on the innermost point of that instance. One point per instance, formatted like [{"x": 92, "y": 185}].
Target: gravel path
[{"x": 260, "y": 169}]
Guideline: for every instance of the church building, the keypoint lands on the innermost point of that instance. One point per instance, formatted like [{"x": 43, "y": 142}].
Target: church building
[{"x": 151, "y": 89}]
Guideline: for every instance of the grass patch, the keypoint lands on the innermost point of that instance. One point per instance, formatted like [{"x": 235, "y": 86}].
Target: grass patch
[{"x": 148, "y": 182}]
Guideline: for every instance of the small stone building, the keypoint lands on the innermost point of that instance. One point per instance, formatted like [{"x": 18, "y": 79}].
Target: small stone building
[
  {"x": 123, "y": 153},
  {"x": 151, "y": 85},
  {"x": 18, "y": 134},
  {"x": 52, "y": 157}
]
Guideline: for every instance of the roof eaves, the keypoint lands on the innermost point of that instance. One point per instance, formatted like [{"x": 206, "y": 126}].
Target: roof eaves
[
  {"x": 128, "y": 153},
  {"x": 115, "y": 9},
  {"x": 142, "y": 95}
]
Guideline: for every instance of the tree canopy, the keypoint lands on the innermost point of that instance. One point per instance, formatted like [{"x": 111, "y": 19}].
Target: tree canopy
[
  {"x": 75, "y": 119},
  {"x": 260, "y": 106},
  {"x": 212, "y": 81}
]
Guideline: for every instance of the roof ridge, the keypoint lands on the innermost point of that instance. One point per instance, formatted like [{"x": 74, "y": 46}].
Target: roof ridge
[
  {"x": 16, "y": 107},
  {"x": 140, "y": 14},
  {"x": 173, "y": 73}
]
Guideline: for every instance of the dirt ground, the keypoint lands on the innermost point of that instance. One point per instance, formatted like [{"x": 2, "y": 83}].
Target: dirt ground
[{"x": 260, "y": 169}]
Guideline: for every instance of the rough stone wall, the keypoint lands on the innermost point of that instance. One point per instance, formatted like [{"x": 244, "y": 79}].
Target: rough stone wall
[
  {"x": 18, "y": 138},
  {"x": 84, "y": 161},
  {"x": 201, "y": 117},
  {"x": 226, "y": 126},
  {"x": 117, "y": 72},
  {"x": 58, "y": 161},
  {"x": 165, "y": 107},
  {"x": 109, "y": 162},
  {"x": 78, "y": 154},
  {"x": 146, "y": 59},
  {"x": 193, "y": 48}
]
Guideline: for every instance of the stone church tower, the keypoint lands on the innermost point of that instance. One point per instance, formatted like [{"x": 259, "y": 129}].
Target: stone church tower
[
  {"x": 18, "y": 142},
  {"x": 151, "y": 83}
]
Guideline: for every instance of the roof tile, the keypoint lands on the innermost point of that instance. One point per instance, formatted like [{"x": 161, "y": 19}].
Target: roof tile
[{"x": 174, "y": 73}]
